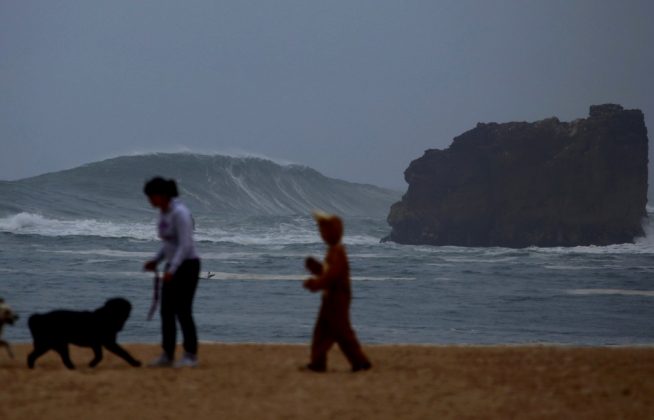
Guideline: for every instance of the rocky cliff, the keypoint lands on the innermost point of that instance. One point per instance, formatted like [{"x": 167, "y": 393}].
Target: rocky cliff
[{"x": 547, "y": 183}]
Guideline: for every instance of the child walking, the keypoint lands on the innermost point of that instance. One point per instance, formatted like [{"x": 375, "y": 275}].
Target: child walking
[{"x": 333, "y": 278}]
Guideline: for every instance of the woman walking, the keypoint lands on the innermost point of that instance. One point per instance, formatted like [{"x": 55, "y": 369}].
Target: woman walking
[{"x": 181, "y": 272}]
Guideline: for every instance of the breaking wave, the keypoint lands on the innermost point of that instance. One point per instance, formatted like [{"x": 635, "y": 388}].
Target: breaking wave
[
  {"x": 35, "y": 224},
  {"x": 281, "y": 233},
  {"x": 214, "y": 186}
]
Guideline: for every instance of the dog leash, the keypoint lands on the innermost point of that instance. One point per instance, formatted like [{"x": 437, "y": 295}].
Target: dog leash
[{"x": 155, "y": 295}]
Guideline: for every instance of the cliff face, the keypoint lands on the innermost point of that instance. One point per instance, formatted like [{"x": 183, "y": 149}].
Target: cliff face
[{"x": 547, "y": 183}]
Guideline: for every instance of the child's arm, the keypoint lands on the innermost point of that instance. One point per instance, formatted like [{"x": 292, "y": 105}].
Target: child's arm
[
  {"x": 334, "y": 268},
  {"x": 314, "y": 266}
]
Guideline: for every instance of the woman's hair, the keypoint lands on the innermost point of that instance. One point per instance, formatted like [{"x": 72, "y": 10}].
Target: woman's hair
[{"x": 160, "y": 186}]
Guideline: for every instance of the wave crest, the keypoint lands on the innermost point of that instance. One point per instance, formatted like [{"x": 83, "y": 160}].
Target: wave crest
[{"x": 214, "y": 186}]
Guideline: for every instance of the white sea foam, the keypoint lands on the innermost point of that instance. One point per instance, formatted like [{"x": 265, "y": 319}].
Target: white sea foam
[
  {"x": 221, "y": 275},
  {"x": 642, "y": 245},
  {"x": 622, "y": 292},
  {"x": 568, "y": 267},
  {"x": 463, "y": 260},
  {"x": 280, "y": 234},
  {"x": 35, "y": 224},
  {"x": 227, "y": 256},
  {"x": 102, "y": 252},
  {"x": 283, "y": 233},
  {"x": 382, "y": 278},
  {"x": 257, "y": 236}
]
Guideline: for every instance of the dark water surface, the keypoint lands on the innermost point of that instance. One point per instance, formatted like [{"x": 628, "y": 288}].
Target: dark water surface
[{"x": 402, "y": 294}]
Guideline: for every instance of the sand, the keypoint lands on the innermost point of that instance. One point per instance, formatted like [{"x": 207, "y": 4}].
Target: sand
[{"x": 262, "y": 381}]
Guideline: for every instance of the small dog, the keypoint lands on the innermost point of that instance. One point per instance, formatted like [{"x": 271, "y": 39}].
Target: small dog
[
  {"x": 7, "y": 316},
  {"x": 55, "y": 330}
]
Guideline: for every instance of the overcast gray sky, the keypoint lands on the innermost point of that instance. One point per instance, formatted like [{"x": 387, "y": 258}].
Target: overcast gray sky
[{"x": 355, "y": 89}]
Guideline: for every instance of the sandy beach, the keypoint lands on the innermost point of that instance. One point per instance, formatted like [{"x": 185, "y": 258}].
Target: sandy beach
[{"x": 239, "y": 381}]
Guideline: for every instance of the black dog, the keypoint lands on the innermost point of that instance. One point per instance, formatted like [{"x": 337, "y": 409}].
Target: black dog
[{"x": 97, "y": 329}]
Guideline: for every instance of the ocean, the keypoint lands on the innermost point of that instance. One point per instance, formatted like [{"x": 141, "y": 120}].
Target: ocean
[{"x": 62, "y": 246}]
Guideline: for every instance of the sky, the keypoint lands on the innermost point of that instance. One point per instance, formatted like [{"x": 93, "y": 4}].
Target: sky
[{"x": 356, "y": 89}]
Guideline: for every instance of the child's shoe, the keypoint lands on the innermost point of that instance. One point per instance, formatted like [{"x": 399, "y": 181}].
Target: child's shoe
[
  {"x": 362, "y": 366},
  {"x": 314, "y": 368}
]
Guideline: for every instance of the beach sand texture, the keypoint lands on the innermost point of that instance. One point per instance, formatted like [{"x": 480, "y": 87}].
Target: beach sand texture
[{"x": 262, "y": 381}]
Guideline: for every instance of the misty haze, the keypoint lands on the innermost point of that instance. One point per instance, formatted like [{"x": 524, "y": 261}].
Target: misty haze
[{"x": 489, "y": 161}]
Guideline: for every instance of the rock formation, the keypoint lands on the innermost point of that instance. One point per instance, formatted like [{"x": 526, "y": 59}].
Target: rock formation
[{"x": 547, "y": 183}]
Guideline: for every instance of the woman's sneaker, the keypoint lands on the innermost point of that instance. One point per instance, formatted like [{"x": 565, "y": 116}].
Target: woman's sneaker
[
  {"x": 188, "y": 360},
  {"x": 161, "y": 361}
]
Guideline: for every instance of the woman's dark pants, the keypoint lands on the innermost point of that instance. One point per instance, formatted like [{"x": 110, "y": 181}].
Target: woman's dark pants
[{"x": 177, "y": 303}]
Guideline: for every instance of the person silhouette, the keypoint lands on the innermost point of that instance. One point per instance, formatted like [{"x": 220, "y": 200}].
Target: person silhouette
[
  {"x": 333, "y": 278},
  {"x": 181, "y": 274}
]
